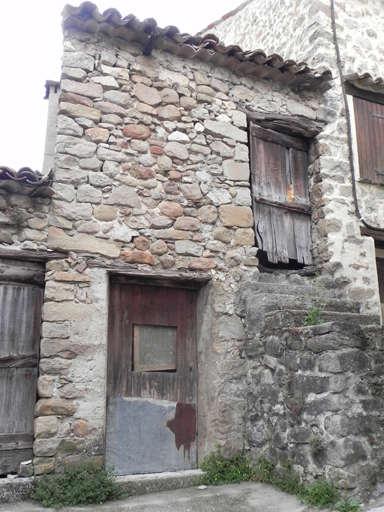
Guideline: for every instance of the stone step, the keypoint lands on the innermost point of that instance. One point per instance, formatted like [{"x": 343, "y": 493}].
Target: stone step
[
  {"x": 16, "y": 490},
  {"x": 295, "y": 317},
  {"x": 293, "y": 289},
  {"x": 271, "y": 302},
  {"x": 156, "y": 482}
]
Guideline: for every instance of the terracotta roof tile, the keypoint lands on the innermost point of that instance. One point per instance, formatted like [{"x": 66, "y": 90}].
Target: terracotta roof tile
[
  {"x": 26, "y": 181},
  {"x": 366, "y": 81},
  {"x": 206, "y": 48}
]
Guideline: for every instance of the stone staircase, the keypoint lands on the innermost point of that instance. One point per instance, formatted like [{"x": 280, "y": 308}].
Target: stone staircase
[{"x": 284, "y": 299}]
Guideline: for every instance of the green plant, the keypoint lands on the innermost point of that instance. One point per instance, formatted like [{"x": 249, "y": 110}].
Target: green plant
[
  {"x": 318, "y": 305},
  {"x": 220, "y": 470},
  {"x": 265, "y": 470},
  {"x": 321, "y": 493},
  {"x": 315, "y": 443},
  {"x": 346, "y": 505},
  {"x": 77, "y": 486},
  {"x": 298, "y": 402}
]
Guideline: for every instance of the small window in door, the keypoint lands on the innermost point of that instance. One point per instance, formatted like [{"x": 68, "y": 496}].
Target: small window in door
[{"x": 154, "y": 348}]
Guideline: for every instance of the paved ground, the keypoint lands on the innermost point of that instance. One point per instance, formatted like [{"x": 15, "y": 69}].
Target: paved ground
[{"x": 245, "y": 497}]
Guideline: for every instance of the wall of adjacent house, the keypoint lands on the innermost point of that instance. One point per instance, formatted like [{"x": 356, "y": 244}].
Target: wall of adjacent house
[
  {"x": 23, "y": 220},
  {"x": 152, "y": 173},
  {"x": 302, "y": 31}
]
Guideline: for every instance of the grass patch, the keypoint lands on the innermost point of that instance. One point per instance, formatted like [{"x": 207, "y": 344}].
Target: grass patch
[
  {"x": 220, "y": 470},
  {"x": 321, "y": 493},
  {"x": 78, "y": 486},
  {"x": 348, "y": 505}
]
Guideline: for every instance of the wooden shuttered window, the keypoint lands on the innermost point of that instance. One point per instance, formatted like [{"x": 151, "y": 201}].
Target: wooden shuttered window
[
  {"x": 281, "y": 208},
  {"x": 369, "y": 119}
]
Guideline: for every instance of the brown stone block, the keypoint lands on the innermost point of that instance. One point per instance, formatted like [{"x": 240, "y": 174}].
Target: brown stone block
[
  {"x": 70, "y": 391},
  {"x": 80, "y": 428},
  {"x": 62, "y": 348},
  {"x": 43, "y": 465},
  {"x": 239, "y": 216},
  {"x": 73, "y": 110},
  {"x": 169, "y": 113},
  {"x": 174, "y": 175},
  {"x": 142, "y": 173},
  {"x": 169, "y": 96},
  {"x": 62, "y": 311},
  {"x": 97, "y": 134},
  {"x": 74, "y": 461},
  {"x": 156, "y": 150},
  {"x": 171, "y": 234},
  {"x": 45, "y": 386},
  {"x": 245, "y": 236},
  {"x": 45, "y": 426},
  {"x": 72, "y": 277},
  {"x": 138, "y": 257},
  {"x": 187, "y": 223},
  {"x": 54, "y": 407},
  {"x": 72, "y": 97},
  {"x": 136, "y": 131},
  {"x": 201, "y": 263},
  {"x": 161, "y": 222},
  {"x": 141, "y": 243},
  {"x": 171, "y": 209},
  {"x": 188, "y": 103},
  {"x": 110, "y": 108},
  {"x": 104, "y": 213},
  {"x": 58, "y": 240},
  {"x": 170, "y": 187},
  {"x": 146, "y": 94}
]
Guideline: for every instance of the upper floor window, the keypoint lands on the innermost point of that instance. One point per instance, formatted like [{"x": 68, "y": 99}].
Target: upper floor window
[
  {"x": 368, "y": 109},
  {"x": 281, "y": 207}
]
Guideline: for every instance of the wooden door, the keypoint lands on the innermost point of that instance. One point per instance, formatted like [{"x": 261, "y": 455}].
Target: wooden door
[
  {"x": 151, "y": 379},
  {"x": 20, "y": 321},
  {"x": 279, "y": 181}
]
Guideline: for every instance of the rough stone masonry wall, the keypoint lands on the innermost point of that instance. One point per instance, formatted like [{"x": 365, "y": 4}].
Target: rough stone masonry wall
[
  {"x": 23, "y": 221},
  {"x": 314, "y": 393},
  {"x": 302, "y": 30},
  {"x": 151, "y": 172},
  {"x": 361, "y": 40}
]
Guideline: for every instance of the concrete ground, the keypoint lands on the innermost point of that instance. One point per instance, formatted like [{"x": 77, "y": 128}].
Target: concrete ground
[{"x": 244, "y": 497}]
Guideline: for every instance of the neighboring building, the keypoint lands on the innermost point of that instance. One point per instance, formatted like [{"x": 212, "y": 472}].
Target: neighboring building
[{"x": 173, "y": 153}]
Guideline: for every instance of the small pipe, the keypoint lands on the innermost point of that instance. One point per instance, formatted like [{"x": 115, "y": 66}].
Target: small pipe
[{"x": 348, "y": 116}]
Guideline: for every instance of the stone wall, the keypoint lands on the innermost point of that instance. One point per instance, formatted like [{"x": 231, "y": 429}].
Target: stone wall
[
  {"x": 151, "y": 173},
  {"x": 314, "y": 393},
  {"x": 302, "y": 30},
  {"x": 23, "y": 221}
]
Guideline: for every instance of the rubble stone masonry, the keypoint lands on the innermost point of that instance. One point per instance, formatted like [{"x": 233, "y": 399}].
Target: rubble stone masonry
[
  {"x": 151, "y": 171},
  {"x": 303, "y": 30}
]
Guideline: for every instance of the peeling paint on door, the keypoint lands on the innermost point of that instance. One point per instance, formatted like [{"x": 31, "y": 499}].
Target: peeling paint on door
[{"x": 183, "y": 425}]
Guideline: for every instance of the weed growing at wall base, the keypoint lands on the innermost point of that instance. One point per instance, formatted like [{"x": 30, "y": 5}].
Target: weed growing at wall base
[
  {"x": 78, "y": 486},
  {"x": 220, "y": 470},
  {"x": 321, "y": 493}
]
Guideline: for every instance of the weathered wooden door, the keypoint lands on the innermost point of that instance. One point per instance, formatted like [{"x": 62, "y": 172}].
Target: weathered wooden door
[
  {"x": 279, "y": 180},
  {"x": 151, "y": 379},
  {"x": 20, "y": 320}
]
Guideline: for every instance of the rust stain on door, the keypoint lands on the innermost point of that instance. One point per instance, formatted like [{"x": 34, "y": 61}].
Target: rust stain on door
[{"x": 183, "y": 426}]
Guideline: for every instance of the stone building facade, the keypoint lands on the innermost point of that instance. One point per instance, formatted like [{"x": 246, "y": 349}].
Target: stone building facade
[{"x": 152, "y": 188}]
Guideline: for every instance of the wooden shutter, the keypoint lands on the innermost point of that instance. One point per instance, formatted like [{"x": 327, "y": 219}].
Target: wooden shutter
[
  {"x": 369, "y": 117},
  {"x": 20, "y": 321},
  {"x": 281, "y": 207}
]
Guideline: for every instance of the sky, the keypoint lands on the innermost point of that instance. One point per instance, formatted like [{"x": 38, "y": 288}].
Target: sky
[{"x": 30, "y": 54}]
